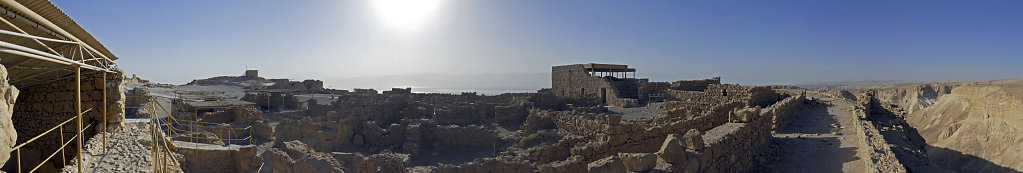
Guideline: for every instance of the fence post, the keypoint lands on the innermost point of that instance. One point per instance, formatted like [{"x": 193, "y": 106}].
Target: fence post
[
  {"x": 78, "y": 112},
  {"x": 104, "y": 112}
]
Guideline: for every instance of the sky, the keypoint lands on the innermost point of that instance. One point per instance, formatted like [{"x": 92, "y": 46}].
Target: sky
[{"x": 511, "y": 45}]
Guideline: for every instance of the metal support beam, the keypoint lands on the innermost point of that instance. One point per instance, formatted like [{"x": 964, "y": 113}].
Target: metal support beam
[
  {"x": 26, "y": 33},
  {"x": 29, "y": 52},
  {"x": 34, "y": 75},
  {"x": 36, "y": 17},
  {"x": 78, "y": 112},
  {"x": 105, "y": 113}
]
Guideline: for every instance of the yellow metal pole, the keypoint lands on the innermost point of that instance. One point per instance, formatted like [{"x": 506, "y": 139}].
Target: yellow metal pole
[
  {"x": 19, "y": 160},
  {"x": 252, "y": 141},
  {"x": 78, "y": 112},
  {"x": 63, "y": 160},
  {"x": 105, "y": 113}
]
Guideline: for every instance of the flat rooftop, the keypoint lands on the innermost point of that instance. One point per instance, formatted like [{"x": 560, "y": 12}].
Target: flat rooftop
[{"x": 594, "y": 67}]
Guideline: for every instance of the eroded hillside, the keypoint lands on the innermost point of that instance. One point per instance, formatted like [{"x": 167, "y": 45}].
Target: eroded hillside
[{"x": 973, "y": 125}]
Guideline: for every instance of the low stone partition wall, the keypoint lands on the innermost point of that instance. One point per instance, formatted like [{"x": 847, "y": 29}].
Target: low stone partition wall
[
  {"x": 735, "y": 138},
  {"x": 232, "y": 114},
  {"x": 512, "y": 114},
  {"x": 683, "y": 113},
  {"x": 295, "y": 157},
  {"x": 783, "y": 110},
  {"x": 694, "y": 85},
  {"x": 689, "y": 95},
  {"x": 216, "y": 158},
  {"x": 731, "y": 146},
  {"x": 882, "y": 159}
]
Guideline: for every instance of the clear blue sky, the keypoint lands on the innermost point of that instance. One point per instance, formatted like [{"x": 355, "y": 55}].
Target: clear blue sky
[{"x": 345, "y": 43}]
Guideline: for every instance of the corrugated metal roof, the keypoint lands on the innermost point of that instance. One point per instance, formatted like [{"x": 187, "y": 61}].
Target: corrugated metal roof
[
  {"x": 55, "y": 15},
  {"x": 29, "y": 62}
]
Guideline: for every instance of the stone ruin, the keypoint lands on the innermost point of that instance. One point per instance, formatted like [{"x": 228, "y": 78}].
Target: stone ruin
[
  {"x": 578, "y": 125},
  {"x": 43, "y": 106},
  {"x": 697, "y": 126}
]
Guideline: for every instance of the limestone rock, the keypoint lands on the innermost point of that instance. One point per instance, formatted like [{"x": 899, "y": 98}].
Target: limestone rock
[
  {"x": 115, "y": 97},
  {"x": 279, "y": 160},
  {"x": 8, "y": 136},
  {"x": 295, "y": 148},
  {"x": 610, "y": 164},
  {"x": 694, "y": 139},
  {"x": 672, "y": 150},
  {"x": 295, "y": 156},
  {"x": 638, "y": 162}
]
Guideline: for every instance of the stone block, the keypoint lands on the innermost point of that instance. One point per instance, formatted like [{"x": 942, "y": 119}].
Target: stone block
[
  {"x": 694, "y": 139},
  {"x": 610, "y": 164},
  {"x": 638, "y": 162},
  {"x": 672, "y": 150}
]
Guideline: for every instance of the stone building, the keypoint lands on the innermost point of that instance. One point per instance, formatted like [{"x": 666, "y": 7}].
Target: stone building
[
  {"x": 610, "y": 83},
  {"x": 56, "y": 82},
  {"x": 251, "y": 73}
]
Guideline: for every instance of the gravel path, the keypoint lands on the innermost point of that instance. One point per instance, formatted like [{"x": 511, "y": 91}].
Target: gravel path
[
  {"x": 128, "y": 150},
  {"x": 820, "y": 138},
  {"x": 649, "y": 111}
]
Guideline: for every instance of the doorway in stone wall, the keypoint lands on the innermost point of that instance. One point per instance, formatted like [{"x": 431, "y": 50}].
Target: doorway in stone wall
[{"x": 603, "y": 96}]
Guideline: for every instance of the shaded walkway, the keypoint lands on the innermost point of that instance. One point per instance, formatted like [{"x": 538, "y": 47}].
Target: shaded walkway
[
  {"x": 817, "y": 139},
  {"x": 128, "y": 150}
]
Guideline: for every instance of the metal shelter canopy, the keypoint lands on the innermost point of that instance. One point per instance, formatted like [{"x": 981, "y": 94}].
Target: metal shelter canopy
[
  {"x": 593, "y": 67},
  {"x": 40, "y": 44},
  {"x": 612, "y": 70}
]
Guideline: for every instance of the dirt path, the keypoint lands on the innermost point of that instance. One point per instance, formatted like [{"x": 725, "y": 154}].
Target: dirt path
[
  {"x": 820, "y": 139},
  {"x": 128, "y": 150}
]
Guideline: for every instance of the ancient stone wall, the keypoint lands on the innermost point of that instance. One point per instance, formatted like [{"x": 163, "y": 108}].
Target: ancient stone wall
[
  {"x": 276, "y": 101},
  {"x": 716, "y": 93},
  {"x": 653, "y": 89},
  {"x": 627, "y": 137},
  {"x": 510, "y": 114},
  {"x": 239, "y": 114},
  {"x": 728, "y": 130},
  {"x": 46, "y": 105},
  {"x": 733, "y": 146},
  {"x": 232, "y": 158},
  {"x": 694, "y": 85},
  {"x": 882, "y": 158},
  {"x": 295, "y": 156}
]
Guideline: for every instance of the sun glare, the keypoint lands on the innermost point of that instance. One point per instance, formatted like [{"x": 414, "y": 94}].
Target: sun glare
[{"x": 405, "y": 14}]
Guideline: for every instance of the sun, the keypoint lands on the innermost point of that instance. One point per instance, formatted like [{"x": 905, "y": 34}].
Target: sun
[{"x": 405, "y": 14}]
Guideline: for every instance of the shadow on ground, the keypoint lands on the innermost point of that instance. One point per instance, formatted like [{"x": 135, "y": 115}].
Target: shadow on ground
[
  {"x": 917, "y": 156},
  {"x": 806, "y": 143},
  {"x": 812, "y": 119},
  {"x": 813, "y": 155}
]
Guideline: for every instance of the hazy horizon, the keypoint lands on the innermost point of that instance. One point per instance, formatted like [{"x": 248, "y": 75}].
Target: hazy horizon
[{"x": 365, "y": 44}]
